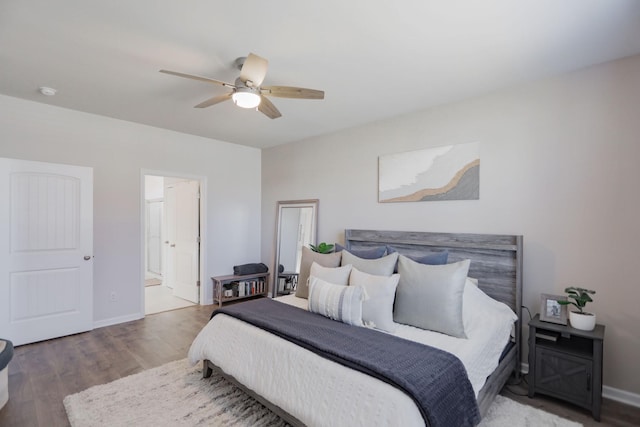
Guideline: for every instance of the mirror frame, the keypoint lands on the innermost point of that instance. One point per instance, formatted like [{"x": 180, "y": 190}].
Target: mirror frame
[{"x": 284, "y": 204}]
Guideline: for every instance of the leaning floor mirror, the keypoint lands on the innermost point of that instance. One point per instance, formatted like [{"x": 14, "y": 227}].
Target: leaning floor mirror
[{"x": 296, "y": 227}]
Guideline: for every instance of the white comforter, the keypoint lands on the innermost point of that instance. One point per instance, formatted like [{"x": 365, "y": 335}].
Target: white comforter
[{"x": 320, "y": 392}]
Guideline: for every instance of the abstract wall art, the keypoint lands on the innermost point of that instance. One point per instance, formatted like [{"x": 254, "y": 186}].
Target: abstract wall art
[{"x": 451, "y": 172}]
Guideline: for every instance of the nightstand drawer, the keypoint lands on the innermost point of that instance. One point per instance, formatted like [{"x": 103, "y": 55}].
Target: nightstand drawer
[{"x": 564, "y": 376}]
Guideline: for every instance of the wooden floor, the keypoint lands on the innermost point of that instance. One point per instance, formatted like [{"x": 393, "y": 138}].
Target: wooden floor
[
  {"x": 42, "y": 374},
  {"x": 613, "y": 413}
]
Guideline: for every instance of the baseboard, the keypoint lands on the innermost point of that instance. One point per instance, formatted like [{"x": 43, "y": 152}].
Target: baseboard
[
  {"x": 116, "y": 320},
  {"x": 622, "y": 396}
]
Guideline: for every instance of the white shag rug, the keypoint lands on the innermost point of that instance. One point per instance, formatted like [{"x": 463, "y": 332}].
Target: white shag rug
[{"x": 175, "y": 394}]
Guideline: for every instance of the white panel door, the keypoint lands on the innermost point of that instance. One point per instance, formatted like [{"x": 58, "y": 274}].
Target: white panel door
[
  {"x": 186, "y": 240},
  {"x": 169, "y": 277},
  {"x": 154, "y": 237},
  {"x": 46, "y": 250}
]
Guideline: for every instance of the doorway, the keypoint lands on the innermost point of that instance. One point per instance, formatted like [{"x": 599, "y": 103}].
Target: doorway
[{"x": 171, "y": 243}]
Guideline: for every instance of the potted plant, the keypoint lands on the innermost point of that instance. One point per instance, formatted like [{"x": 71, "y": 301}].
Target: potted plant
[
  {"x": 322, "y": 248},
  {"x": 580, "y": 319}
]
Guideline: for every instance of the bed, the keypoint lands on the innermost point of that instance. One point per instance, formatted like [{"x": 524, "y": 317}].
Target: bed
[{"x": 306, "y": 389}]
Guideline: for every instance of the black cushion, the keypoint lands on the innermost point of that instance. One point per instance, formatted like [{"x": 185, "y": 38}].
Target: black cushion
[{"x": 246, "y": 269}]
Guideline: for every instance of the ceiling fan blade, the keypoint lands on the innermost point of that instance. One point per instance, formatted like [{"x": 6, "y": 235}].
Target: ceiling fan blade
[
  {"x": 254, "y": 69},
  {"x": 292, "y": 92},
  {"x": 267, "y": 108},
  {"x": 215, "y": 100},
  {"x": 200, "y": 78}
]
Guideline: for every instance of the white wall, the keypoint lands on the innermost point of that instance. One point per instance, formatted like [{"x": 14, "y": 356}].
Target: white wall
[
  {"x": 559, "y": 165},
  {"x": 118, "y": 151}
]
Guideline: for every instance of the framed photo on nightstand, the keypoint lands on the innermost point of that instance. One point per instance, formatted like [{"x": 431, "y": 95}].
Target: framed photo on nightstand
[{"x": 551, "y": 310}]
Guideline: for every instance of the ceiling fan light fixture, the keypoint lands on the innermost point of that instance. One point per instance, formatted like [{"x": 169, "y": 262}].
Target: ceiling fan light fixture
[
  {"x": 246, "y": 98},
  {"x": 247, "y": 91}
]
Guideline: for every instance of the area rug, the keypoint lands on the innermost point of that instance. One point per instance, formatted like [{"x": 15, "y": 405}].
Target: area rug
[{"x": 175, "y": 394}]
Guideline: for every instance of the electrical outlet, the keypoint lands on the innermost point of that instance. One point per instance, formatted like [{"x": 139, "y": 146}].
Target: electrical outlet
[{"x": 113, "y": 297}]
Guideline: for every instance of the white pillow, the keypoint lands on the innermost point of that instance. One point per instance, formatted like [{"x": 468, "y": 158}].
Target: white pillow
[
  {"x": 379, "y": 294},
  {"x": 430, "y": 296},
  {"x": 337, "y": 302},
  {"x": 380, "y": 266},
  {"x": 335, "y": 275},
  {"x": 480, "y": 310}
]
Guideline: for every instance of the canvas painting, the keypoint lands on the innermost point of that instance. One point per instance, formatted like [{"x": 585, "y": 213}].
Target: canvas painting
[{"x": 451, "y": 172}]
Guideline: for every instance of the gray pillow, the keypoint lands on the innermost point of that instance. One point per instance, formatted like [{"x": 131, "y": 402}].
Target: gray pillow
[
  {"x": 308, "y": 257},
  {"x": 380, "y": 291},
  {"x": 430, "y": 296},
  {"x": 380, "y": 267}
]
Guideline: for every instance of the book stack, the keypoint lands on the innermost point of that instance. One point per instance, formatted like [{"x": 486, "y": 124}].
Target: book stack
[{"x": 251, "y": 287}]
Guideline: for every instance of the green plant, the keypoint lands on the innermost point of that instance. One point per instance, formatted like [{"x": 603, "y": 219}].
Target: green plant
[
  {"x": 580, "y": 297},
  {"x": 322, "y": 248}
]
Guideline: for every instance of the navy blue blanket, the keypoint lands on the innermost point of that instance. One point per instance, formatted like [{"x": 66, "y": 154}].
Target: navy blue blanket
[{"x": 436, "y": 380}]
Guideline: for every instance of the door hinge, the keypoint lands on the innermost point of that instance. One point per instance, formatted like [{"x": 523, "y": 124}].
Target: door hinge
[
  {"x": 198, "y": 239},
  {"x": 198, "y": 283}
]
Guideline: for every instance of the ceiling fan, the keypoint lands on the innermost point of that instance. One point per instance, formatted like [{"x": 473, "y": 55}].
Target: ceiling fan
[{"x": 247, "y": 91}]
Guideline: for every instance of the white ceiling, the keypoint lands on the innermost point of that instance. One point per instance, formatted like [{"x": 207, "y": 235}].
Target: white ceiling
[{"x": 374, "y": 59}]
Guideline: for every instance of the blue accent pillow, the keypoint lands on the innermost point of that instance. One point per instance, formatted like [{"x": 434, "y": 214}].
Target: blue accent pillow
[
  {"x": 372, "y": 253},
  {"x": 436, "y": 258}
]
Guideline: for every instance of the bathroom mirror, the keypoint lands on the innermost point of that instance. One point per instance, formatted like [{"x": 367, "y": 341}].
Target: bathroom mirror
[{"x": 296, "y": 227}]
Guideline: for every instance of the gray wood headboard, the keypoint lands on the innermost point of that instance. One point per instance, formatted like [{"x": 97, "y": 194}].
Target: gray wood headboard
[{"x": 496, "y": 260}]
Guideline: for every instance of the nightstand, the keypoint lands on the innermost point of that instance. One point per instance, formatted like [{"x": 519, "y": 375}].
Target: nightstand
[{"x": 566, "y": 363}]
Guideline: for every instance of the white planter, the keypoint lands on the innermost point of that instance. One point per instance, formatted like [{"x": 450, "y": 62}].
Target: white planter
[{"x": 584, "y": 322}]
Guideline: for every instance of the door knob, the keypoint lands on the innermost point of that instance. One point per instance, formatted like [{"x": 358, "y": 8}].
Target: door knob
[
  {"x": 87, "y": 257},
  {"x": 166, "y": 242},
  {"x": 173, "y": 245}
]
